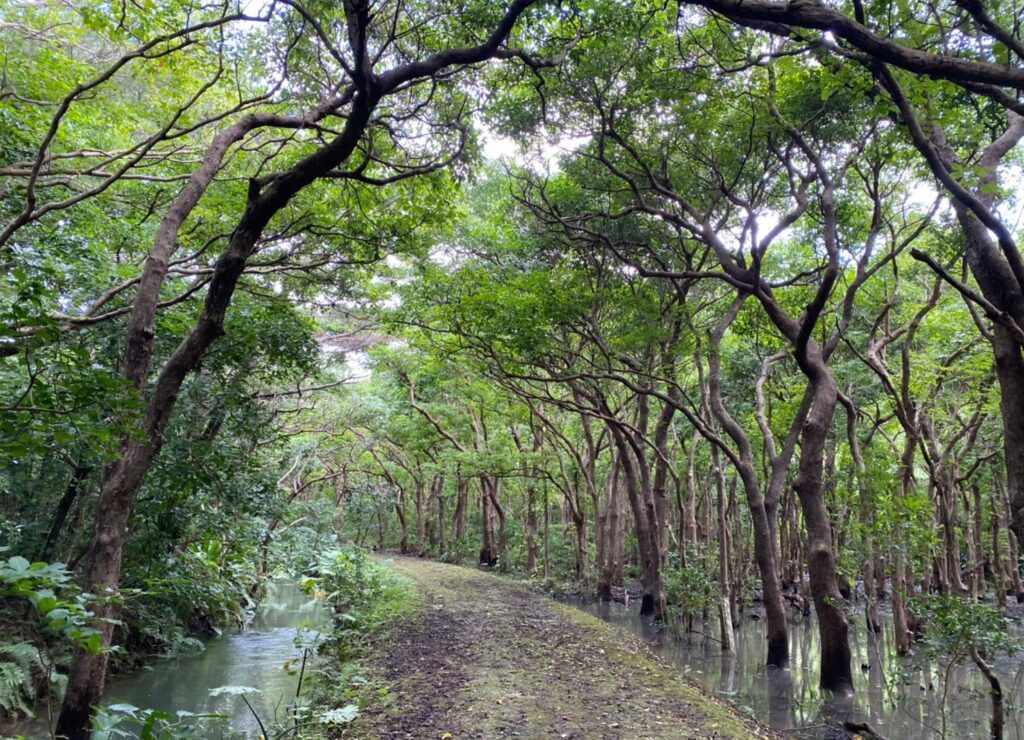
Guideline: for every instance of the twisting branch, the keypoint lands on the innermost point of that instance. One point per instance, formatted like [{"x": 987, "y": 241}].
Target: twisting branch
[{"x": 997, "y": 315}]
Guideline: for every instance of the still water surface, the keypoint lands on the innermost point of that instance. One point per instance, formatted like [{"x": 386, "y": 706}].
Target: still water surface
[
  {"x": 901, "y": 698},
  {"x": 265, "y": 656}
]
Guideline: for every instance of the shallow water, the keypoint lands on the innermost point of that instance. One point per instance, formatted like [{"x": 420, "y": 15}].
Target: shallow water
[
  {"x": 901, "y": 698},
  {"x": 264, "y": 656}
]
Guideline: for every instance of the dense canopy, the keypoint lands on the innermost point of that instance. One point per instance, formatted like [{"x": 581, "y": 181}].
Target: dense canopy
[{"x": 717, "y": 306}]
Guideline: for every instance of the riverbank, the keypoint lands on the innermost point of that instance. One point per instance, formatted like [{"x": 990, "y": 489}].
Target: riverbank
[{"x": 486, "y": 658}]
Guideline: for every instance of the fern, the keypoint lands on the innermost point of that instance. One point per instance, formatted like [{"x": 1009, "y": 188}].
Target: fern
[{"x": 18, "y": 661}]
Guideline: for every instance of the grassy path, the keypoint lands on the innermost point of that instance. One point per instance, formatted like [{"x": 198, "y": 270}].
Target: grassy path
[{"x": 485, "y": 658}]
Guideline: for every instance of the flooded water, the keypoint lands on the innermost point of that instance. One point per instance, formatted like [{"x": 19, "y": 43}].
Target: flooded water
[
  {"x": 901, "y": 698},
  {"x": 266, "y": 656}
]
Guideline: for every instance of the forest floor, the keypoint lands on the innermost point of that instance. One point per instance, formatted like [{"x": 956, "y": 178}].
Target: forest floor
[{"x": 487, "y": 658}]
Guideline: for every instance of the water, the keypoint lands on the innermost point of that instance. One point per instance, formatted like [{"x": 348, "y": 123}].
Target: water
[
  {"x": 264, "y": 656},
  {"x": 901, "y": 698}
]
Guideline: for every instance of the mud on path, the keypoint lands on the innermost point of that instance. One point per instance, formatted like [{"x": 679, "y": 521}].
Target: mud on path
[{"x": 485, "y": 658}]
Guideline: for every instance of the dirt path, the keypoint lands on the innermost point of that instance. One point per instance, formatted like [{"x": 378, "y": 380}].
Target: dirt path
[{"x": 486, "y": 658}]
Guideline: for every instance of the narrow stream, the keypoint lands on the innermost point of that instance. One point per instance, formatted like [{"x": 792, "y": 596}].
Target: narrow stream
[
  {"x": 264, "y": 656},
  {"x": 901, "y": 698}
]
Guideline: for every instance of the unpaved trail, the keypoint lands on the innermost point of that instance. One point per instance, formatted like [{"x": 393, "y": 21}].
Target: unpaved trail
[{"x": 486, "y": 658}]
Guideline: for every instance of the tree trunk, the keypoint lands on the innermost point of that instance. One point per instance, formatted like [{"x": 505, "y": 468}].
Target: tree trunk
[
  {"x": 653, "y": 603},
  {"x": 902, "y": 583},
  {"x": 531, "y": 528},
  {"x": 123, "y": 479},
  {"x": 867, "y": 523},
  {"x": 403, "y": 525},
  {"x": 765, "y": 546},
  {"x": 977, "y": 556},
  {"x": 613, "y": 548},
  {"x": 580, "y": 523},
  {"x": 836, "y": 675},
  {"x": 493, "y": 488},
  {"x": 998, "y": 284},
  {"x": 724, "y": 609},
  {"x": 421, "y": 521},
  {"x": 461, "y": 509},
  {"x": 1010, "y": 374},
  {"x": 382, "y": 530},
  {"x": 997, "y": 693},
  {"x": 341, "y": 494},
  {"x": 67, "y": 501},
  {"x": 547, "y": 538},
  {"x": 442, "y": 525},
  {"x": 487, "y": 555}
]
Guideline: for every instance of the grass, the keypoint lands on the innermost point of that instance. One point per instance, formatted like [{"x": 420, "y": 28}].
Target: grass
[{"x": 484, "y": 657}]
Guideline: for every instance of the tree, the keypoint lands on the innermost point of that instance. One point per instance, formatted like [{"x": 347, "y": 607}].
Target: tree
[{"x": 374, "y": 88}]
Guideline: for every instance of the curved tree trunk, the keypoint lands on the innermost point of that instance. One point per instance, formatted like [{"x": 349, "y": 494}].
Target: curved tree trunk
[{"x": 833, "y": 628}]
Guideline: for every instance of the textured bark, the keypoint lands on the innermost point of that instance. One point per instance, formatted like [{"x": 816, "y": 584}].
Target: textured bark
[{"x": 833, "y": 629}]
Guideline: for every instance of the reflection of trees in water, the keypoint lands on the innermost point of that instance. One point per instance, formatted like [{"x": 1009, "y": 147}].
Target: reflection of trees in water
[
  {"x": 256, "y": 657},
  {"x": 901, "y": 697}
]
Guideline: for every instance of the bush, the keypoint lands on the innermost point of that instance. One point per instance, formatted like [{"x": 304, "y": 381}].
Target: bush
[
  {"x": 365, "y": 596},
  {"x": 48, "y": 616}
]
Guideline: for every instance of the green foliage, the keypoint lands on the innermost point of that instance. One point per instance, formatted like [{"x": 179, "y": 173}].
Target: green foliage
[
  {"x": 689, "y": 591},
  {"x": 127, "y": 721},
  {"x": 47, "y": 617},
  {"x": 366, "y": 597},
  {"x": 364, "y": 594},
  {"x": 21, "y": 663},
  {"x": 954, "y": 625},
  {"x": 59, "y": 607}
]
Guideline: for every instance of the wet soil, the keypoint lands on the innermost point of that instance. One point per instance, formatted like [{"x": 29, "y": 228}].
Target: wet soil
[{"x": 486, "y": 658}]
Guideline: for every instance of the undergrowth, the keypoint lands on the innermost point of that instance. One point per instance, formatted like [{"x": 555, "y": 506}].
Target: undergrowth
[{"x": 366, "y": 597}]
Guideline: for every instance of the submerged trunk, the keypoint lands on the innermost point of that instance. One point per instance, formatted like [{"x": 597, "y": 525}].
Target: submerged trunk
[
  {"x": 653, "y": 602},
  {"x": 612, "y": 563},
  {"x": 833, "y": 628},
  {"x": 725, "y": 629},
  {"x": 765, "y": 545}
]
